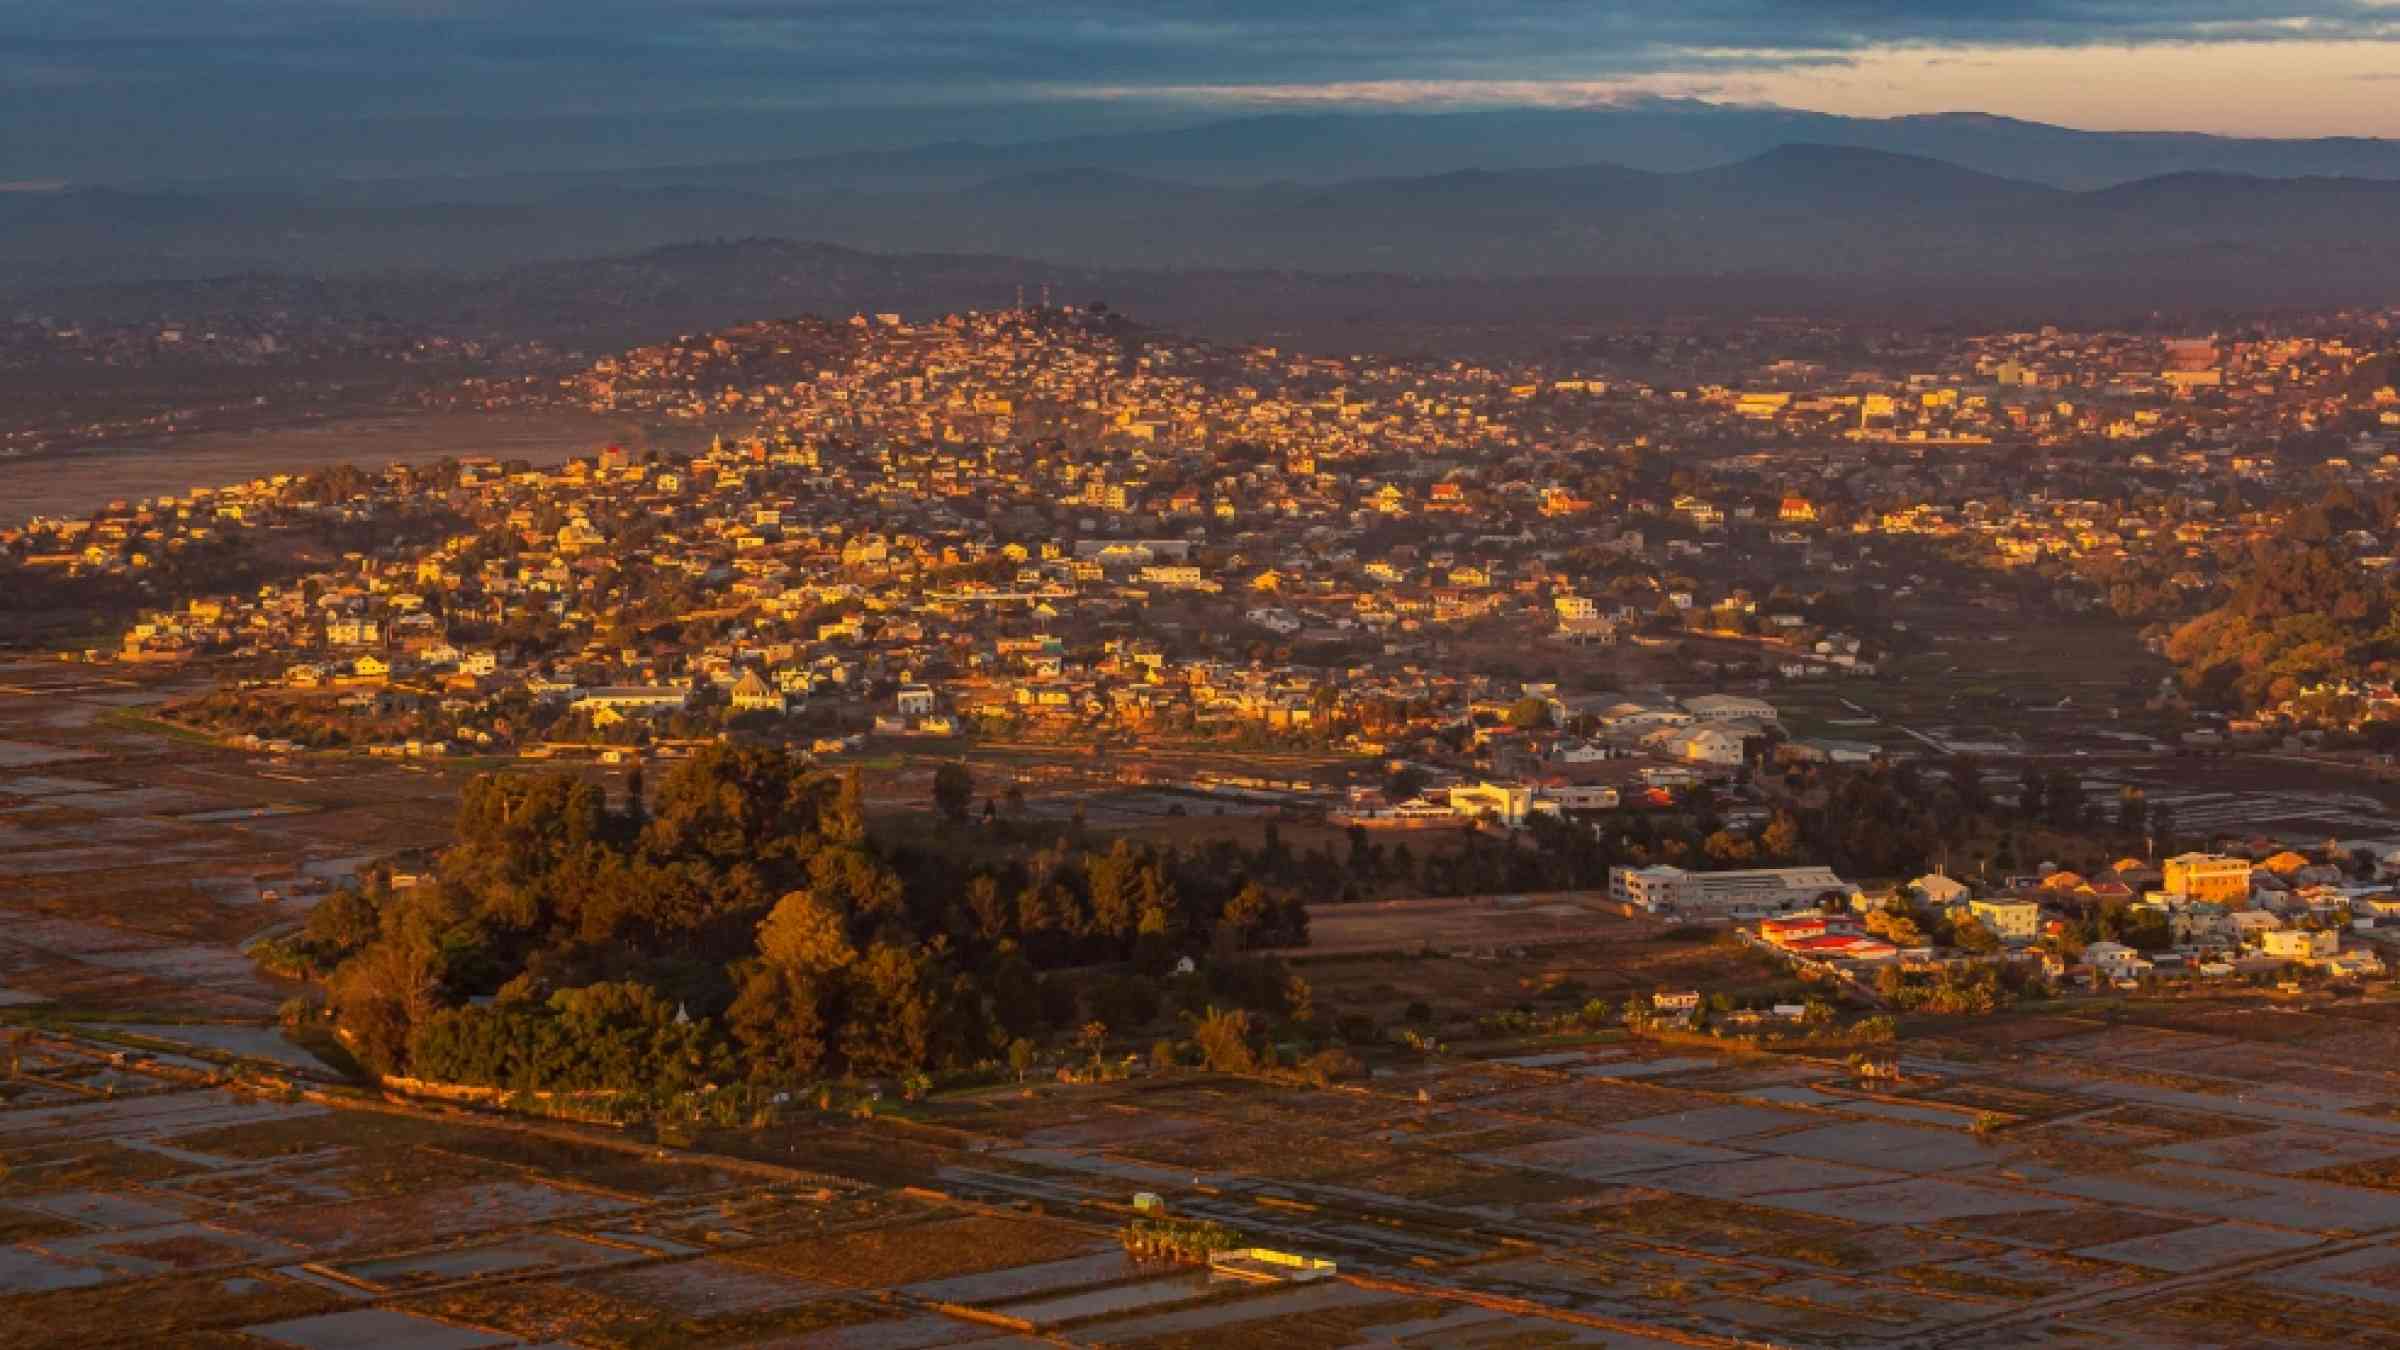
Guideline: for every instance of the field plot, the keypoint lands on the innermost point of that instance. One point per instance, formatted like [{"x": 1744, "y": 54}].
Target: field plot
[
  {"x": 2249, "y": 1313},
  {"x": 132, "y": 864},
  {"x": 532, "y": 1253},
  {"x": 1466, "y": 923},
  {"x": 2191, "y": 1249},
  {"x": 374, "y": 1327},
  {"x": 911, "y": 1253}
]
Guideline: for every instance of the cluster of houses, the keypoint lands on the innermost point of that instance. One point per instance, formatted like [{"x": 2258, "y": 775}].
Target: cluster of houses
[
  {"x": 1056, "y": 525},
  {"x": 2202, "y": 914}
]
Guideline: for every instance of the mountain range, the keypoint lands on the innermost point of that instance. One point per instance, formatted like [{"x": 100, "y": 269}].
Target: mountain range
[
  {"x": 1661, "y": 135},
  {"x": 1646, "y": 193},
  {"x": 1826, "y": 213}
]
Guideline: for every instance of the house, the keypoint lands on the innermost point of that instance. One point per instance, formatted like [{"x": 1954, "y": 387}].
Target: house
[
  {"x": 2299, "y": 944},
  {"x": 752, "y": 694},
  {"x": 2199, "y": 924},
  {"x": 913, "y": 700},
  {"x": 1940, "y": 891},
  {"x": 2116, "y": 961},
  {"x": 2245, "y": 922},
  {"x": 1705, "y": 745}
]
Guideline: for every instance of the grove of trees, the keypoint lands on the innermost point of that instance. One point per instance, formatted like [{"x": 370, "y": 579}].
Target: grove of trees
[{"x": 744, "y": 924}]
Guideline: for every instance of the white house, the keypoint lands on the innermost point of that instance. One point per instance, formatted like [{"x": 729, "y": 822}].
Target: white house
[
  {"x": 2300, "y": 944},
  {"x": 2116, "y": 961},
  {"x": 1940, "y": 891},
  {"x": 1705, "y": 745}
]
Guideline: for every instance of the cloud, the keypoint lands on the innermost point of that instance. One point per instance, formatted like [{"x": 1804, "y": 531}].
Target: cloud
[{"x": 76, "y": 73}]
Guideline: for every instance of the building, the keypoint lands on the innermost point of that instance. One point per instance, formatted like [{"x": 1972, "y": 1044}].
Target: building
[
  {"x": 1802, "y": 927},
  {"x": 2300, "y": 944},
  {"x": 1729, "y": 708},
  {"x": 1672, "y": 890},
  {"x": 1842, "y": 947},
  {"x": 752, "y": 694},
  {"x": 1940, "y": 891},
  {"x": 1581, "y": 797},
  {"x": 2208, "y": 876},
  {"x": 1705, "y": 745},
  {"x": 1507, "y": 803},
  {"x": 639, "y": 698},
  {"x": 913, "y": 700},
  {"x": 2116, "y": 961},
  {"x": 2010, "y": 920}
]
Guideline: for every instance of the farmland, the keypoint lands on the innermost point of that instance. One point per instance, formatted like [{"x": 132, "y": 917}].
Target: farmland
[
  {"x": 179, "y": 1170},
  {"x": 2165, "y": 1173}
]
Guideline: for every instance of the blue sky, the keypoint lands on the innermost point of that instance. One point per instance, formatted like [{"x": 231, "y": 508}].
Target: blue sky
[{"x": 198, "y": 88}]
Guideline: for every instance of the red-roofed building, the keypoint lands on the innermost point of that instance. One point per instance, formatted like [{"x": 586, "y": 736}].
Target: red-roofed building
[
  {"x": 1843, "y": 947},
  {"x": 1785, "y": 932}
]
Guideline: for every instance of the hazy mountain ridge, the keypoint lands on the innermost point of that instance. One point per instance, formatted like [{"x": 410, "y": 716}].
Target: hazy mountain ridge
[
  {"x": 1663, "y": 136},
  {"x": 1800, "y": 210}
]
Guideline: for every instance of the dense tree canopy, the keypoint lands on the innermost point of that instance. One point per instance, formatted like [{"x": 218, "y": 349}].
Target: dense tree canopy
[{"x": 743, "y": 922}]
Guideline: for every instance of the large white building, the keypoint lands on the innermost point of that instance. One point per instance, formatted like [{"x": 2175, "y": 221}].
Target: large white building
[
  {"x": 643, "y": 699},
  {"x": 1767, "y": 890},
  {"x": 1729, "y": 708}
]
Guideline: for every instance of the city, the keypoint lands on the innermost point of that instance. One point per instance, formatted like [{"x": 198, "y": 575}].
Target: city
[{"x": 1627, "y": 716}]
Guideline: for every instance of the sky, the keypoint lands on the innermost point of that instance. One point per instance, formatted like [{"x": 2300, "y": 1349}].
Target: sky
[{"x": 124, "y": 90}]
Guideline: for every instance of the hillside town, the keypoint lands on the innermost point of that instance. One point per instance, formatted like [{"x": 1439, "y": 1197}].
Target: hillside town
[
  {"x": 1834, "y": 691},
  {"x": 1050, "y": 523}
]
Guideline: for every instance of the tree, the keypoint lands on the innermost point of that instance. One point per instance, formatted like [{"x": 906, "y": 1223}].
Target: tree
[
  {"x": 804, "y": 936},
  {"x": 1895, "y": 927},
  {"x": 2032, "y": 793},
  {"x": 1247, "y": 914},
  {"x": 986, "y": 908},
  {"x": 341, "y": 924},
  {"x": 953, "y": 790},
  {"x": 1780, "y": 841},
  {"x": 1966, "y": 785},
  {"x": 1225, "y": 1040},
  {"x": 2133, "y": 810},
  {"x": 1529, "y": 713},
  {"x": 383, "y": 993},
  {"x": 847, "y": 822},
  {"x": 1972, "y": 935},
  {"x": 1115, "y": 881},
  {"x": 2162, "y": 828},
  {"x": 1020, "y": 1057},
  {"x": 780, "y": 1020},
  {"x": 2064, "y": 791}
]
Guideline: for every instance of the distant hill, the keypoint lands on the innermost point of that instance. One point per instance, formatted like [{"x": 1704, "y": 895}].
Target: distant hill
[
  {"x": 1830, "y": 213},
  {"x": 600, "y": 304},
  {"x": 1662, "y": 136}
]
